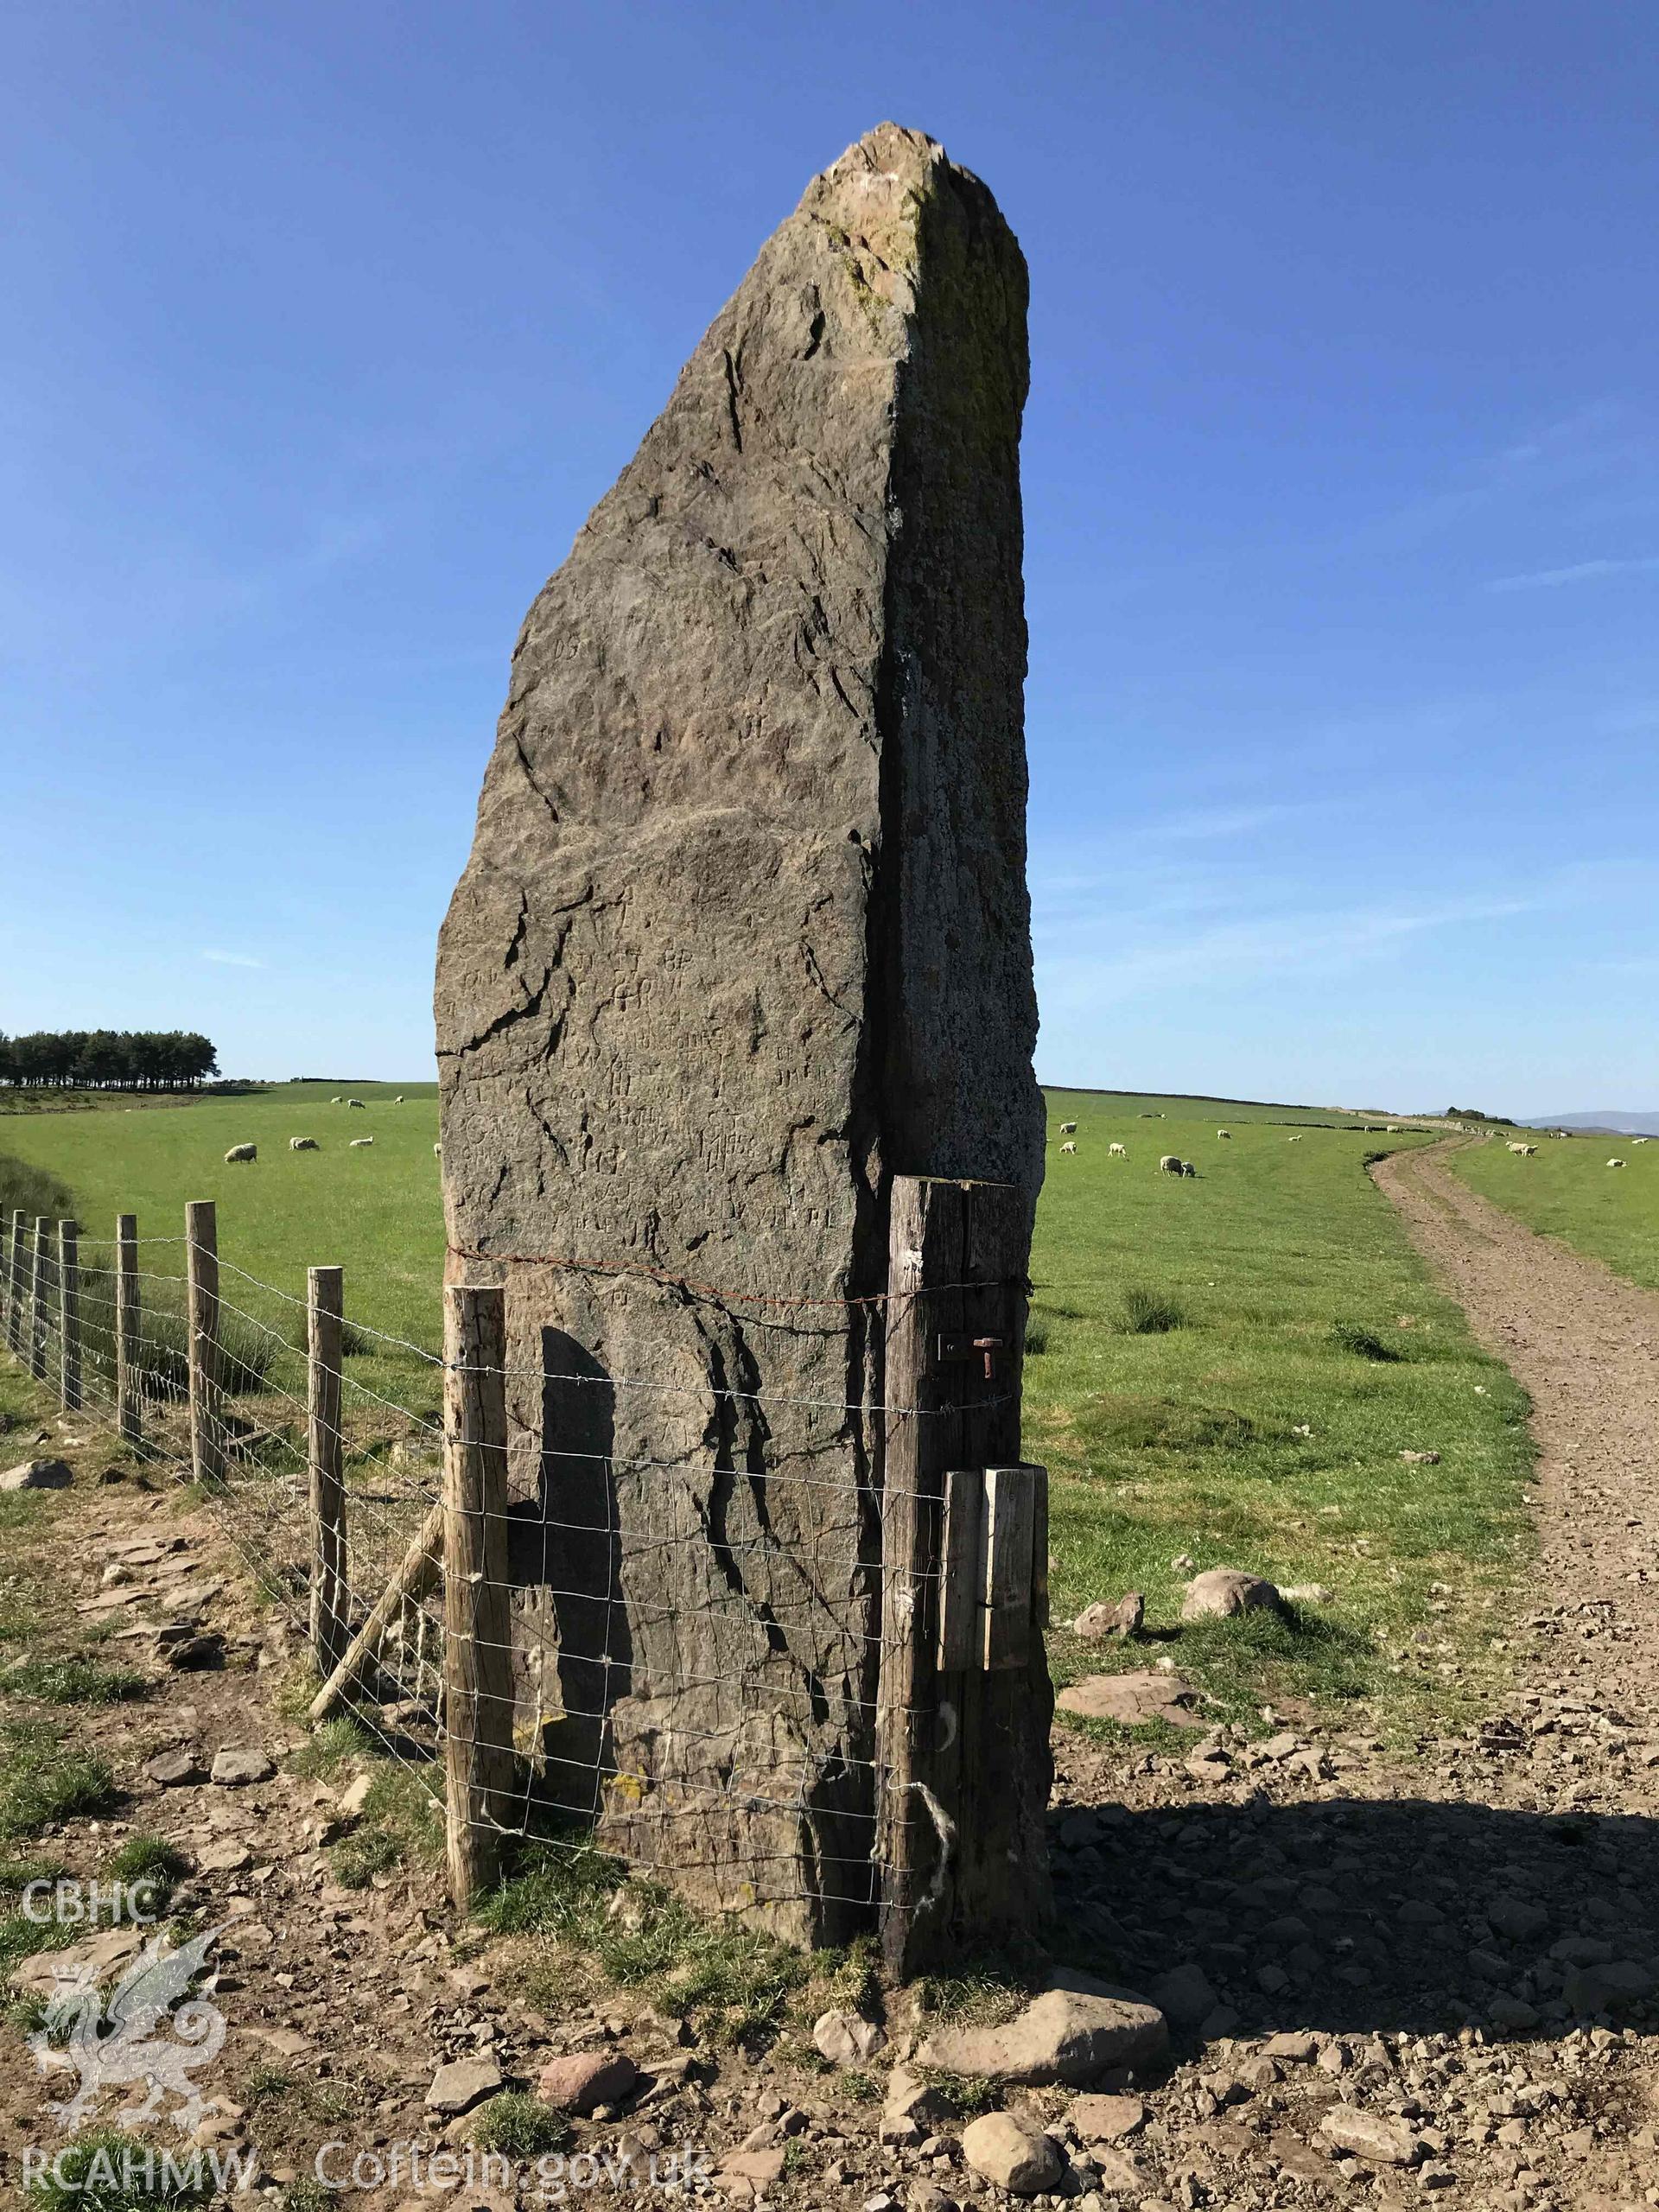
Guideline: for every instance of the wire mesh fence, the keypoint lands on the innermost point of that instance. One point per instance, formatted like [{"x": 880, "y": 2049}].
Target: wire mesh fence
[{"x": 711, "y": 1636}]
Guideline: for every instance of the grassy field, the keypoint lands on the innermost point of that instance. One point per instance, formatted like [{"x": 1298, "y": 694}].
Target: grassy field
[
  {"x": 1230, "y": 1368},
  {"x": 1568, "y": 1191},
  {"x": 1226, "y": 1367},
  {"x": 376, "y": 1212}
]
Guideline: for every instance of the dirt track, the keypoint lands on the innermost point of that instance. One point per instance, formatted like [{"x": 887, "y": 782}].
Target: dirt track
[{"x": 1586, "y": 1344}]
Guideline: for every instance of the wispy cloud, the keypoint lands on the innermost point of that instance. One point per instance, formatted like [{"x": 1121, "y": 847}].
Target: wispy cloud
[
  {"x": 1578, "y": 572},
  {"x": 1278, "y": 946},
  {"x": 232, "y": 960}
]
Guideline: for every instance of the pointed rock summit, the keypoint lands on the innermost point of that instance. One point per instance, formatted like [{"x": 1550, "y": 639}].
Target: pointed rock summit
[{"x": 744, "y": 933}]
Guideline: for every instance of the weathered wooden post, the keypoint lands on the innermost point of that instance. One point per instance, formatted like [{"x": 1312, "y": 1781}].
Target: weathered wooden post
[
  {"x": 69, "y": 1316},
  {"x": 13, "y": 1276},
  {"x": 964, "y": 1703},
  {"x": 38, "y": 1294},
  {"x": 325, "y": 1305},
  {"x": 477, "y": 1652},
  {"x": 201, "y": 1271},
  {"x": 129, "y": 1391}
]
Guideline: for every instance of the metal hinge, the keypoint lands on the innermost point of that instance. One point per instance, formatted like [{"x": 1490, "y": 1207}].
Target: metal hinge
[{"x": 952, "y": 1351}]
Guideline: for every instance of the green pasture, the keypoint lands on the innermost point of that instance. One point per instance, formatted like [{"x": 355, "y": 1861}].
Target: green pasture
[
  {"x": 1264, "y": 1429},
  {"x": 1225, "y": 1367},
  {"x": 1568, "y": 1190},
  {"x": 376, "y": 1212}
]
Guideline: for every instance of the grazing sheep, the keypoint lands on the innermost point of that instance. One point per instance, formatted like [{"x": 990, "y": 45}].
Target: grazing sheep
[
  {"x": 437, "y": 1152},
  {"x": 1068, "y": 1147},
  {"x": 1638, "y": 1139},
  {"x": 242, "y": 1152},
  {"x": 1225, "y": 1132},
  {"x": 357, "y": 1102},
  {"x": 1612, "y": 1163},
  {"x": 1068, "y": 1128},
  {"x": 1293, "y": 1140},
  {"x": 301, "y": 1144},
  {"x": 1521, "y": 1147},
  {"x": 1170, "y": 1164},
  {"x": 358, "y": 1143},
  {"x": 1187, "y": 1168},
  {"x": 398, "y": 1100},
  {"x": 1117, "y": 1152},
  {"x": 335, "y": 1100},
  {"x": 1391, "y": 1128}
]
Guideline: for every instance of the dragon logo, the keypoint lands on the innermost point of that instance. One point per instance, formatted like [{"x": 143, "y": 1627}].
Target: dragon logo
[{"x": 119, "y": 2048}]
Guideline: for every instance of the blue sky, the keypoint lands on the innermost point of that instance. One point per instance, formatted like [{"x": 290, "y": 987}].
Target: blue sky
[{"x": 325, "y": 326}]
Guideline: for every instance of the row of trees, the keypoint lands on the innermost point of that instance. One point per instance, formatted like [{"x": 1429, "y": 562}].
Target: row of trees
[{"x": 107, "y": 1059}]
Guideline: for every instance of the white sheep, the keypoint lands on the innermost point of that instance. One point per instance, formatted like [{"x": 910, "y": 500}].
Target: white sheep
[
  {"x": 437, "y": 1152},
  {"x": 357, "y": 1102},
  {"x": 1225, "y": 1132},
  {"x": 1612, "y": 1163},
  {"x": 1068, "y": 1128},
  {"x": 301, "y": 1144},
  {"x": 1391, "y": 1128},
  {"x": 358, "y": 1143},
  {"x": 1638, "y": 1139},
  {"x": 242, "y": 1152},
  {"x": 1068, "y": 1147},
  {"x": 1170, "y": 1164},
  {"x": 1293, "y": 1140},
  {"x": 398, "y": 1100},
  {"x": 1115, "y": 1151},
  {"x": 335, "y": 1100}
]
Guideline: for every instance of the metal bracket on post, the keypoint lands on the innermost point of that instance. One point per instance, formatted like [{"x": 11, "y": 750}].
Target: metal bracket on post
[{"x": 956, "y": 1351}]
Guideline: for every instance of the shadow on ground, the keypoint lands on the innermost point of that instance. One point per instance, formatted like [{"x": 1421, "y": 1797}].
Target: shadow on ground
[{"x": 1348, "y": 1916}]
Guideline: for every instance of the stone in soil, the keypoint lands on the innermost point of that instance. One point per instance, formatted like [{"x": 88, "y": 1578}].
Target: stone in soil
[
  {"x": 1124, "y": 1619},
  {"x": 1099, "y": 2118},
  {"x": 38, "y": 1474},
  {"x": 1147, "y": 1694},
  {"x": 175, "y": 1770},
  {"x": 1070, "y": 2034},
  {"x": 846, "y": 2038},
  {"x": 232, "y": 1768},
  {"x": 458, "y": 2087},
  {"x": 1221, "y": 1592},
  {"x": 1369, "y": 2135},
  {"x": 1012, "y": 2154},
  {"x": 584, "y": 2078}
]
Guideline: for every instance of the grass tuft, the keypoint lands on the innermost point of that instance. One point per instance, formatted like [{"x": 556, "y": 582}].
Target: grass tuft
[
  {"x": 70, "y": 1678},
  {"x": 44, "y": 1780},
  {"x": 401, "y": 1824},
  {"x": 1151, "y": 1312},
  {"x": 110, "y": 2170},
  {"x": 1363, "y": 1343},
  {"x": 518, "y": 2126}
]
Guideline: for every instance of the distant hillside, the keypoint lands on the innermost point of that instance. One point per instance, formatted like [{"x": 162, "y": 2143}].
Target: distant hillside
[{"x": 1613, "y": 1119}]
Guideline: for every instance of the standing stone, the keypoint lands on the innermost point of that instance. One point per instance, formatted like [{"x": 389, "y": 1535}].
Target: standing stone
[{"x": 743, "y": 934}]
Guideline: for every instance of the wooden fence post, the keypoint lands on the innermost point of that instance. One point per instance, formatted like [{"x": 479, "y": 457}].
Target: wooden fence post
[
  {"x": 129, "y": 1389},
  {"x": 477, "y": 1620},
  {"x": 202, "y": 1270},
  {"x": 325, "y": 1305},
  {"x": 40, "y": 1271},
  {"x": 69, "y": 1316},
  {"x": 15, "y": 1284},
  {"x": 962, "y": 1749}
]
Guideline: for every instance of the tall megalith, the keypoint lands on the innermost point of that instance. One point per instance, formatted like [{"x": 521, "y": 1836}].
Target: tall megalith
[{"x": 744, "y": 933}]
